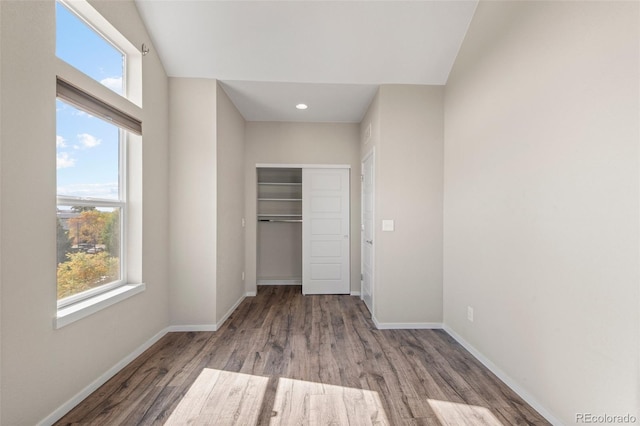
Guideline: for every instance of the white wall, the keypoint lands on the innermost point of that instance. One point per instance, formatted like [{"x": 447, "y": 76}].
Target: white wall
[
  {"x": 41, "y": 367},
  {"x": 193, "y": 188},
  {"x": 230, "y": 191},
  {"x": 541, "y": 200},
  {"x": 301, "y": 143},
  {"x": 407, "y": 132}
]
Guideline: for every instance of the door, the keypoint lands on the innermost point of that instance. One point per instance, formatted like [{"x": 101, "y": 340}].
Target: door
[
  {"x": 367, "y": 230},
  {"x": 325, "y": 231}
]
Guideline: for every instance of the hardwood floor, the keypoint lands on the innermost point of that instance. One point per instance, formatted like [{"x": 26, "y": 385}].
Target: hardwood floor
[{"x": 287, "y": 359}]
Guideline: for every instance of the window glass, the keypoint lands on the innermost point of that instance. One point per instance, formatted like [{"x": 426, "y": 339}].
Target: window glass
[
  {"x": 87, "y": 155},
  {"x": 88, "y": 248},
  {"x": 83, "y": 48},
  {"x": 90, "y": 205}
]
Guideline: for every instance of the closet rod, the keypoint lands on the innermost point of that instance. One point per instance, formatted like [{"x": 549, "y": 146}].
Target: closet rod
[{"x": 281, "y": 220}]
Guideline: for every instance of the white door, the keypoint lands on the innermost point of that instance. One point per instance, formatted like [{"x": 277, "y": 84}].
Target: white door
[
  {"x": 325, "y": 231},
  {"x": 367, "y": 230}
]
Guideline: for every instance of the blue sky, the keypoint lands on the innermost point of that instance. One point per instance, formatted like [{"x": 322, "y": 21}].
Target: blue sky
[{"x": 86, "y": 147}]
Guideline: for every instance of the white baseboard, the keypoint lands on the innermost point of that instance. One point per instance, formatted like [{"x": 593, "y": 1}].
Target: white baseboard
[
  {"x": 251, "y": 294},
  {"x": 229, "y": 312},
  {"x": 406, "y": 325},
  {"x": 355, "y": 293},
  {"x": 192, "y": 327},
  {"x": 93, "y": 386},
  {"x": 515, "y": 386},
  {"x": 294, "y": 281}
]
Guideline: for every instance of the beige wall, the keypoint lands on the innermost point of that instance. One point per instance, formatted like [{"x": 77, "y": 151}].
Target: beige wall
[
  {"x": 301, "y": 143},
  {"x": 230, "y": 192},
  {"x": 279, "y": 252},
  {"x": 407, "y": 132},
  {"x": 541, "y": 200},
  {"x": 193, "y": 188},
  {"x": 41, "y": 367}
]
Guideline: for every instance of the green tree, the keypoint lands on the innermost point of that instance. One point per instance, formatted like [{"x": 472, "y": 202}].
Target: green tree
[
  {"x": 84, "y": 271},
  {"x": 63, "y": 242},
  {"x": 111, "y": 233}
]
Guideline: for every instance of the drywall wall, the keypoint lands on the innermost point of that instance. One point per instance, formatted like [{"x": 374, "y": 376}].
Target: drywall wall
[
  {"x": 230, "y": 204},
  {"x": 406, "y": 128},
  {"x": 42, "y": 368},
  {"x": 279, "y": 248},
  {"x": 300, "y": 143},
  {"x": 541, "y": 200},
  {"x": 193, "y": 187}
]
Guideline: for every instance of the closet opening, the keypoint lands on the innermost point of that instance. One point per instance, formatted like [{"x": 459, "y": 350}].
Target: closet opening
[
  {"x": 279, "y": 229},
  {"x": 303, "y": 225}
]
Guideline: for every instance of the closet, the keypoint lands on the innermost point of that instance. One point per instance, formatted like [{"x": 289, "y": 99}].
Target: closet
[
  {"x": 303, "y": 228},
  {"x": 279, "y": 231}
]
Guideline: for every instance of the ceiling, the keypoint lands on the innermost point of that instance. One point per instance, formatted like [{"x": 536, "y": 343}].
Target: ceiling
[{"x": 331, "y": 55}]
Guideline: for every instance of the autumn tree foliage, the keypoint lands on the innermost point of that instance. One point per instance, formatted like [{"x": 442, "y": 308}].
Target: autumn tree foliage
[
  {"x": 80, "y": 269},
  {"x": 83, "y": 271},
  {"x": 88, "y": 227}
]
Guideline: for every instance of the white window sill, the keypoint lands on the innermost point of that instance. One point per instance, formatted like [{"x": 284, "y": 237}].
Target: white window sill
[{"x": 73, "y": 313}]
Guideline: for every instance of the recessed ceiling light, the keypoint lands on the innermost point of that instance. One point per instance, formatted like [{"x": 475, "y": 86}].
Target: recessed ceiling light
[{"x": 302, "y": 106}]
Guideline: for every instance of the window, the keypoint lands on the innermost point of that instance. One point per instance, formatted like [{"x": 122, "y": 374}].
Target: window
[
  {"x": 91, "y": 203},
  {"x": 83, "y": 48},
  {"x": 92, "y": 137}
]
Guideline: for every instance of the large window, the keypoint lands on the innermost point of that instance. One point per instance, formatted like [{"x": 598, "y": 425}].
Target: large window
[
  {"x": 91, "y": 203},
  {"x": 91, "y": 161}
]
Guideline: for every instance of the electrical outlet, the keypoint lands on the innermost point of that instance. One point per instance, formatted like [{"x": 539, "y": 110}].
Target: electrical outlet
[
  {"x": 242, "y": 275},
  {"x": 244, "y": 222},
  {"x": 470, "y": 313}
]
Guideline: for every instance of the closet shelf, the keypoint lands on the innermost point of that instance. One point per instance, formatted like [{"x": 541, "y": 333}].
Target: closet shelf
[
  {"x": 281, "y": 183},
  {"x": 279, "y": 199},
  {"x": 279, "y": 215},
  {"x": 281, "y": 220}
]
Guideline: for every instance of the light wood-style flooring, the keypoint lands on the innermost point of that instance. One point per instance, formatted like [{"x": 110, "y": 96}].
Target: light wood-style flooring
[{"x": 287, "y": 359}]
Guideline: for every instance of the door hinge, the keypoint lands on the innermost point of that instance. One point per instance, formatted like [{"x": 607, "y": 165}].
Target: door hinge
[
  {"x": 361, "y": 178},
  {"x": 361, "y": 277}
]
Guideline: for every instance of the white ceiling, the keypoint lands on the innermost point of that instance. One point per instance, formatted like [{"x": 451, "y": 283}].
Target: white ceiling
[{"x": 331, "y": 55}]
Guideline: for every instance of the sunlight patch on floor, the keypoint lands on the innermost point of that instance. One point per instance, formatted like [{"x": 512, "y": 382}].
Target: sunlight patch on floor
[
  {"x": 309, "y": 403},
  {"x": 221, "y": 398},
  {"x": 455, "y": 414}
]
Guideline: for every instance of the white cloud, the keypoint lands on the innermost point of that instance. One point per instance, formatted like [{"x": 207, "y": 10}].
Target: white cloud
[
  {"x": 87, "y": 141},
  {"x": 107, "y": 191},
  {"x": 113, "y": 83},
  {"x": 63, "y": 160},
  {"x": 60, "y": 142},
  {"x": 80, "y": 113}
]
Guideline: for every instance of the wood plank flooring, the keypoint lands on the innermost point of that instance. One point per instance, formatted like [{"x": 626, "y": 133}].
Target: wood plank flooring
[{"x": 287, "y": 359}]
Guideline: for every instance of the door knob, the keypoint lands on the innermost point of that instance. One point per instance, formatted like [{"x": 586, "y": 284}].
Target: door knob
[{"x": 369, "y": 242}]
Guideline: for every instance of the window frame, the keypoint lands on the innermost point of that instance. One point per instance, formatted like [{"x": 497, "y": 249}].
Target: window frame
[
  {"x": 127, "y": 105},
  {"x": 80, "y": 11},
  {"x": 120, "y": 203}
]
